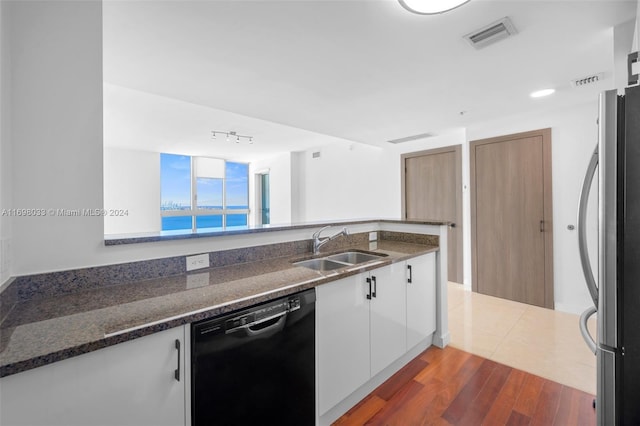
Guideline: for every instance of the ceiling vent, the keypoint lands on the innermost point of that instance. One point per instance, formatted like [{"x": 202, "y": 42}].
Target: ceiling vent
[
  {"x": 492, "y": 33},
  {"x": 590, "y": 79},
  {"x": 412, "y": 138}
]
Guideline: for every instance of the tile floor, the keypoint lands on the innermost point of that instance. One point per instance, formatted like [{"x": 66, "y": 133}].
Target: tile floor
[{"x": 540, "y": 341}]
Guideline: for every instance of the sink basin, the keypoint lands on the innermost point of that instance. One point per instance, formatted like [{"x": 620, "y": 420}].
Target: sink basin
[
  {"x": 353, "y": 257},
  {"x": 321, "y": 264},
  {"x": 340, "y": 260}
]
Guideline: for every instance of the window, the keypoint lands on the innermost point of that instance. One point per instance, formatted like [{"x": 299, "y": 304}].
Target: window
[{"x": 203, "y": 194}]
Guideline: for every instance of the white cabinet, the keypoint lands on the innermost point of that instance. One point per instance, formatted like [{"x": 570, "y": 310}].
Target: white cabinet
[
  {"x": 387, "y": 316},
  {"x": 367, "y": 321},
  {"x": 421, "y": 298},
  {"x": 132, "y": 383},
  {"x": 342, "y": 314}
]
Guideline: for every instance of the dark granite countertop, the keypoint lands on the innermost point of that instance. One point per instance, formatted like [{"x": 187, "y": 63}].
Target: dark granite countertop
[{"x": 43, "y": 330}]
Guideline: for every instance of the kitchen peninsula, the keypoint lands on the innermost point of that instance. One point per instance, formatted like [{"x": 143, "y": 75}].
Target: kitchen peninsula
[{"x": 63, "y": 317}]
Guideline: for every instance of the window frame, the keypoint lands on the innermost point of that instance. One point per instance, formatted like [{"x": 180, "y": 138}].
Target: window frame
[{"x": 194, "y": 211}]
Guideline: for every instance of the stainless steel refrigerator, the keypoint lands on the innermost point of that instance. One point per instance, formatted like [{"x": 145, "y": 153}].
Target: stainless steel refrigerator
[{"x": 616, "y": 290}]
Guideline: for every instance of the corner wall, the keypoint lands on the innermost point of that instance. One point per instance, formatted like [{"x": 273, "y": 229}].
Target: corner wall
[
  {"x": 132, "y": 183},
  {"x": 5, "y": 144},
  {"x": 280, "y": 182}
]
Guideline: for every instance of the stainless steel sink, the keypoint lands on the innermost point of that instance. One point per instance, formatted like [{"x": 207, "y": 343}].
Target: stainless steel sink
[
  {"x": 321, "y": 264},
  {"x": 336, "y": 261},
  {"x": 353, "y": 257}
]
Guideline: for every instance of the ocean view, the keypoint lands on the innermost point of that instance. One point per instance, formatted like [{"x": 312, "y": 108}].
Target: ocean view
[{"x": 175, "y": 223}]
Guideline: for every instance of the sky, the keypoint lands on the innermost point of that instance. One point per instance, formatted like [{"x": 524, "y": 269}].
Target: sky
[{"x": 175, "y": 183}]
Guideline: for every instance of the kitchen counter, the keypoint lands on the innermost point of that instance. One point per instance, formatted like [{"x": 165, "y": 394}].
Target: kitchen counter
[{"x": 43, "y": 330}]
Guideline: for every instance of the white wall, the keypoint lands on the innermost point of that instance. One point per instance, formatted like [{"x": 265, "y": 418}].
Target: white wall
[
  {"x": 131, "y": 183},
  {"x": 347, "y": 181},
  {"x": 5, "y": 145},
  {"x": 57, "y": 131},
  {"x": 279, "y": 169},
  {"x": 574, "y": 136},
  {"x": 636, "y": 37}
]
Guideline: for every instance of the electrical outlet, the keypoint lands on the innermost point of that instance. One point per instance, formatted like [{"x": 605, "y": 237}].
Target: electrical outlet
[
  {"x": 373, "y": 236},
  {"x": 197, "y": 280},
  {"x": 198, "y": 261}
]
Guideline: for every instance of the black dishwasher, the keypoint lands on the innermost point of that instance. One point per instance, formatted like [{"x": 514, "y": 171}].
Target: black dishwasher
[{"x": 256, "y": 365}]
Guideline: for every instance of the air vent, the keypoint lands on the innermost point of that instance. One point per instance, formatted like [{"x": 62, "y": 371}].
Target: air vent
[
  {"x": 412, "y": 138},
  {"x": 590, "y": 79},
  {"x": 492, "y": 33}
]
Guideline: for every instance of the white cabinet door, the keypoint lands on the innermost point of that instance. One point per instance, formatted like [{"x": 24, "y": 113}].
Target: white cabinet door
[
  {"x": 421, "y": 298},
  {"x": 388, "y": 320},
  {"x": 342, "y": 314},
  {"x": 131, "y": 383}
]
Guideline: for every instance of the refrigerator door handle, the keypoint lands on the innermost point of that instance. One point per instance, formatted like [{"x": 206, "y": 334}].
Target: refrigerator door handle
[
  {"x": 589, "y": 340},
  {"x": 582, "y": 227}
]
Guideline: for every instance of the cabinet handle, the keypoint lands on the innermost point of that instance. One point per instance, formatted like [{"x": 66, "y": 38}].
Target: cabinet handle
[
  {"x": 176, "y": 373},
  {"x": 375, "y": 286},
  {"x": 410, "y": 279},
  {"x": 369, "y": 294}
]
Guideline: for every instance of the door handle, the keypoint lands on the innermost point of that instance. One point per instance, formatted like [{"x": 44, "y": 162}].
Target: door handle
[
  {"x": 375, "y": 286},
  {"x": 585, "y": 331},
  {"x": 582, "y": 227},
  {"x": 176, "y": 373},
  {"x": 410, "y": 279},
  {"x": 369, "y": 294}
]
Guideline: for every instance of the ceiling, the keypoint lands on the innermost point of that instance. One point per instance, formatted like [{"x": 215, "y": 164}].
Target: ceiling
[{"x": 359, "y": 70}]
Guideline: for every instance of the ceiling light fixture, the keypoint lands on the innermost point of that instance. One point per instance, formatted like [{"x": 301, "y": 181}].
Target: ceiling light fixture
[
  {"x": 542, "y": 93},
  {"x": 431, "y": 7},
  {"x": 229, "y": 135}
]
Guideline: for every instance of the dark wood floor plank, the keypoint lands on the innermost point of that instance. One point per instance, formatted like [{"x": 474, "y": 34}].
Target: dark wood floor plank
[
  {"x": 450, "y": 386},
  {"x": 444, "y": 368},
  {"x": 506, "y": 399},
  {"x": 362, "y": 412},
  {"x": 469, "y": 392},
  {"x": 450, "y": 390},
  {"x": 518, "y": 419},
  {"x": 396, "y": 403},
  {"x": 395, "y": 382},
  {"x": 481, "y": 405},
  {"x": 548, "y": 404},
  {"x": 568, "y": 408},
  {"x": 586, "y": 412},
  {"x": 528, "y": 398},
  {"x": 415, "y": 409}
]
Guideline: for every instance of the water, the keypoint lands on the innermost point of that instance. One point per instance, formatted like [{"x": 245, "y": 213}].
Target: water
[{"x": 213, "y": 222}]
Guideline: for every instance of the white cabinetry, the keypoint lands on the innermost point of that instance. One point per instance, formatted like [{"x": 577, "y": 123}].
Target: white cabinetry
[
  {"x": 132, "y": 383},
  {"x": 364, "y": 323},
  {"x": 421, "y": 298},
  {"x": 342, "y": 313},
  {"x": 387, "y": 316}
]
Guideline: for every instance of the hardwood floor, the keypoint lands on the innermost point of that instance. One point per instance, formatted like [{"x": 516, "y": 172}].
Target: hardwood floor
[{"x": 451, "y": 387}]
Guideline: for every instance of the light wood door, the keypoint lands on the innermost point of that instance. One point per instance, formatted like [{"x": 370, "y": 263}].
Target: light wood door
[
  {"x": 432, "y": 189},
  {"x": 511, "y": 217}
]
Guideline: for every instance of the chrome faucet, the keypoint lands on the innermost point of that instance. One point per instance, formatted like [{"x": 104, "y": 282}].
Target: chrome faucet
[{"x": 319, "y": 242}]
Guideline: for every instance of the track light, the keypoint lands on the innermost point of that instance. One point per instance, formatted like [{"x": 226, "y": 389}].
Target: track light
[{"x": 238, "y": 138}]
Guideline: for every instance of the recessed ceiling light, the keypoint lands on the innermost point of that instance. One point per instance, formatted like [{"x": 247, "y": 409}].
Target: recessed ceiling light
[
  {"x": 542, "y": 93},
  {"x": 431, "y": 7}
]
